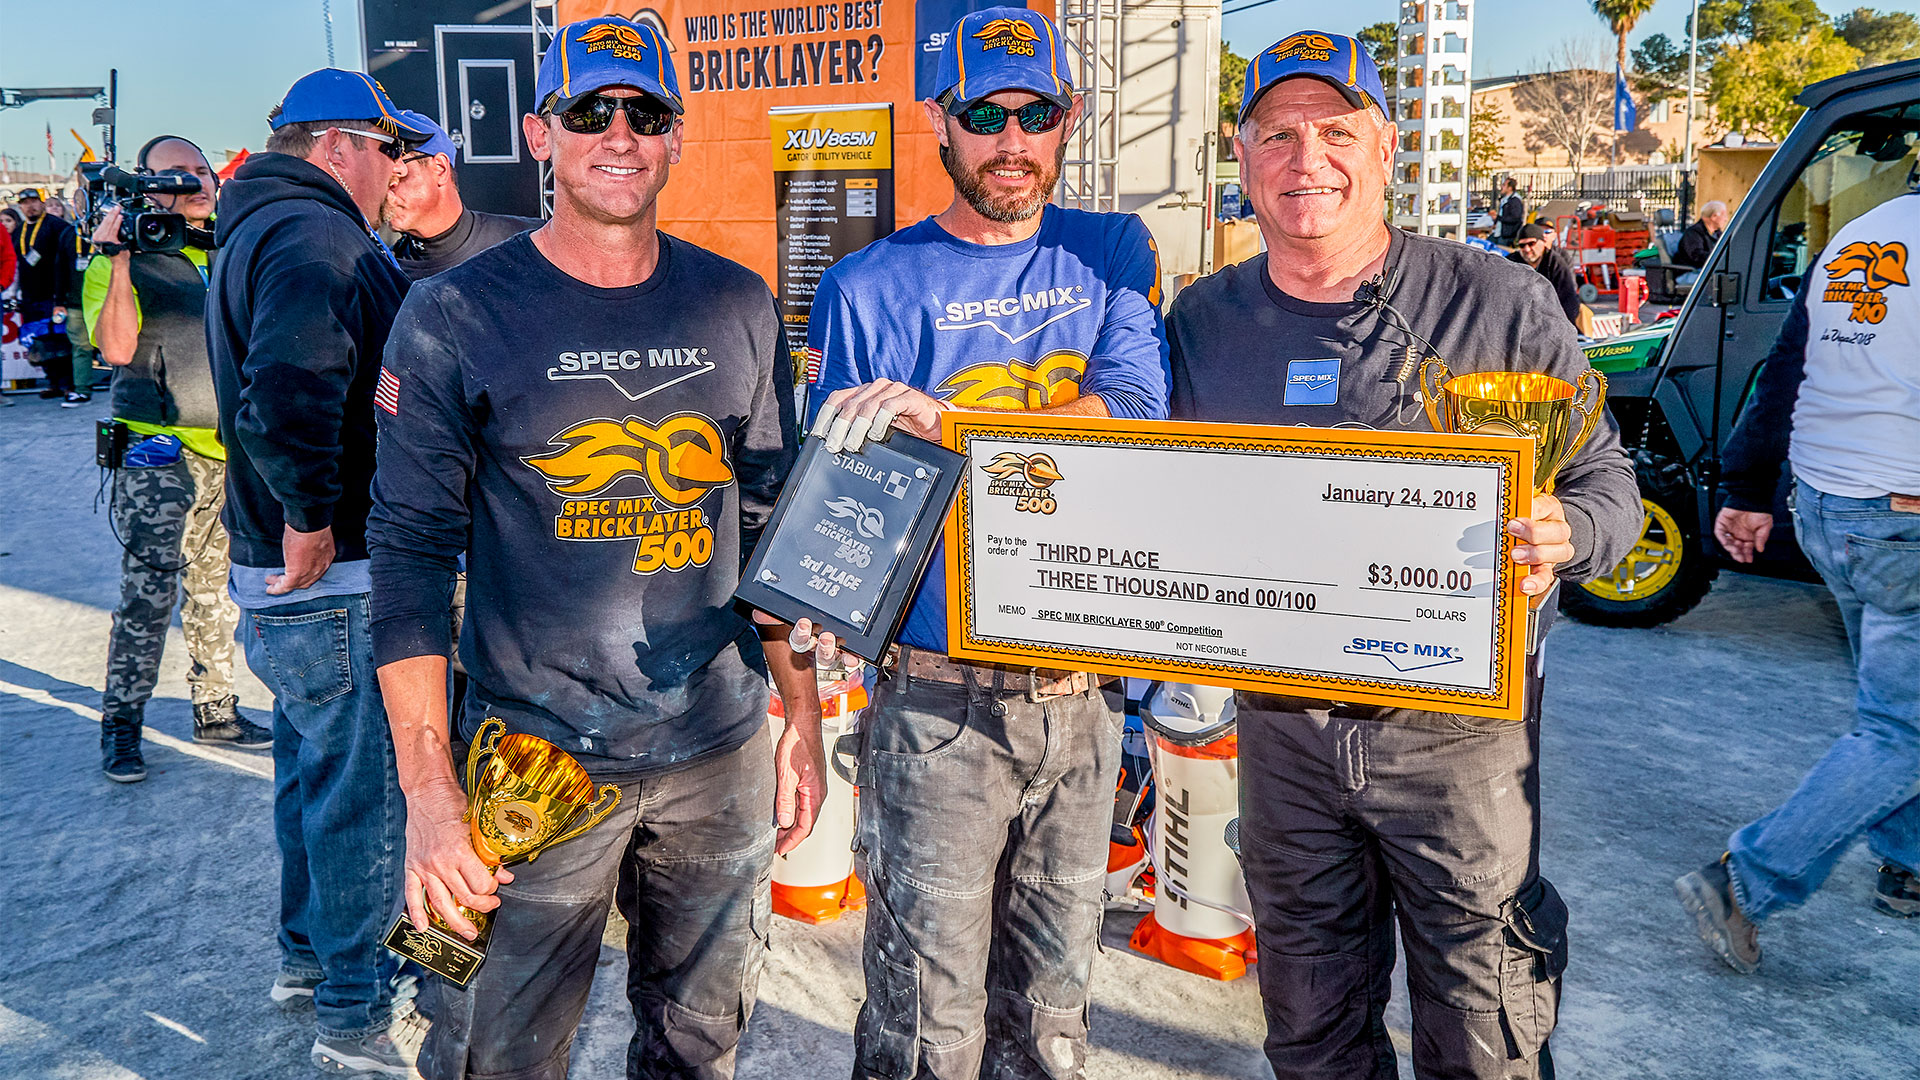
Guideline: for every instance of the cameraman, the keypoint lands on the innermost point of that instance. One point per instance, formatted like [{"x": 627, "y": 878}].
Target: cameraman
[{"x": 145, "y": 311}]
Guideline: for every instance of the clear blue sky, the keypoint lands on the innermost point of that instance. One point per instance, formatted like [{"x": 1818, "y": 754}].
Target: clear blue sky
[{"x": 211, "y": 70}]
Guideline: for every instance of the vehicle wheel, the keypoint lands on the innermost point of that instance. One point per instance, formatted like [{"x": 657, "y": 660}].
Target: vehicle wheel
[
  {"x": 1665, "y": 574},
  {"x": 1589, "y": 292}
]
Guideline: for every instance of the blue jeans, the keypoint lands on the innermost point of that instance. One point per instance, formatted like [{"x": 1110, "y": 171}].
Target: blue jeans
[
  {"x": 337, "y": 809},
  {"x": 1869, "y": 780}
]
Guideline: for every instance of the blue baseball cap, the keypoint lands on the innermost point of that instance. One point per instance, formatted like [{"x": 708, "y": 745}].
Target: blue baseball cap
[
  {"x": 438, "y": 141},
  {"x": 1332, "y": 58},
  {"x": 1003, "y": 48},
  {"x": 590, "y": 55},
  {"x": 334, "y": 94}
]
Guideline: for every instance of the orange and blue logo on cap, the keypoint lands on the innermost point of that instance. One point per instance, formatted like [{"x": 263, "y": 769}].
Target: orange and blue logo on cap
[
  {"x": 1016, "y": 36},
  {"x": 625, "y": 41},
  {"x": 1307, "y": 46}
]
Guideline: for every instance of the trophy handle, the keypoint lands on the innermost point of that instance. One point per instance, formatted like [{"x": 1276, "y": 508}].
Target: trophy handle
[
  {"x": 1430, "y": 387},
  {"x": 1589, "y": 401},
  {"x": 595, "y": 815},
  {"x": 485, "y": 741}
]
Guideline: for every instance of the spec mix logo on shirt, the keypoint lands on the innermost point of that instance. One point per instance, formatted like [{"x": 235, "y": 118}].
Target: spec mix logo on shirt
[
  {"x": 1051, "y": 304},
  {"x": 680, "y": 459},
  {"x": 1026, "y": 478},
  {"x": 1312, "y": 382},
  {"x": 1879, "y": 266},
  {"x": 1054, "y": 379}
]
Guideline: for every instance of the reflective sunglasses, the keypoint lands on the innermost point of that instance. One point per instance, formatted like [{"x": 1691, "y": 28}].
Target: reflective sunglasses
[
  {"x": 393, "y": 148},
  {"x": 594, "y": 115},
  {"x": 986, "y": 118}
]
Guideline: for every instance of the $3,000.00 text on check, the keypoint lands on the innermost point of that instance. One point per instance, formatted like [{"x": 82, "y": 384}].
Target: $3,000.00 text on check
[{"x": 1347, "y": 565}]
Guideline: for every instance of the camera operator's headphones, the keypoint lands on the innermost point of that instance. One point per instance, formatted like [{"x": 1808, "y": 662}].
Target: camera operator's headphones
[{"x": 200, "y": 238}]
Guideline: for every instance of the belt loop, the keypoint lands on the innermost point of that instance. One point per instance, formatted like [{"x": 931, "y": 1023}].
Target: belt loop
[
  {"x": 1033, "y": 686},
  {"x": 999, "y": 682},
  {"x": 903, "y": 667}
]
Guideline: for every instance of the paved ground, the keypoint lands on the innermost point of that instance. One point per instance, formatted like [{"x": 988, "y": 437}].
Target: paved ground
[{"x": 138, "y": 919}]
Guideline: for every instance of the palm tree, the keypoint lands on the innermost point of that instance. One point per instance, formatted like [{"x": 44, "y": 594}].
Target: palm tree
[{"x": 1620, "y": 16}]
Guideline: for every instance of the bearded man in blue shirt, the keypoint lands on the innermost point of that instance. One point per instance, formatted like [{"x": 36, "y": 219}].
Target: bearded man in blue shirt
[{"x": 987, "y": 789}]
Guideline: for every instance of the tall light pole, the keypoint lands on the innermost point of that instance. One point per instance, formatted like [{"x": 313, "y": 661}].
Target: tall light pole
[{"x": 1693, "y": 59}]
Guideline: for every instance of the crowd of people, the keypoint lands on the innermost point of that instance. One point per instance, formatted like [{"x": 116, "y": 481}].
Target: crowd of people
[{"x": 328, "y": 439}]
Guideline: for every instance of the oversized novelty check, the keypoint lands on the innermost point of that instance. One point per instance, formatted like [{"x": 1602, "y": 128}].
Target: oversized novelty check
[{"x": 1347, "y": 565}]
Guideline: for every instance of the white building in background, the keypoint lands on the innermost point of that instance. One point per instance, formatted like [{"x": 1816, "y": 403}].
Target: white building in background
[{"x": 1435, "y": 94}]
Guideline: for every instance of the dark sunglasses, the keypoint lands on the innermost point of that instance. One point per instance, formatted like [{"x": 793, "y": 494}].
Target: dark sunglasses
[
  {"x": 593, "y": 115},
  {"x": 986, "y": 118}
]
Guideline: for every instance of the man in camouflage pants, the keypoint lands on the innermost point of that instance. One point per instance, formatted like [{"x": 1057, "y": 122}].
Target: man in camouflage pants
[{"x": 145, "y": 312}]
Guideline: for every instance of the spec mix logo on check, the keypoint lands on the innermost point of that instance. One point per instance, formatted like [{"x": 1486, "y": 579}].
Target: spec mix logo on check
[{"x": 1418, "y": 656}]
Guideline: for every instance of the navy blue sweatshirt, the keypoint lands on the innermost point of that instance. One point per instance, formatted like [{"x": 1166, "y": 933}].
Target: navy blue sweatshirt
[
  {"x": 605, "y": 459},
  {"x": 298, "y": 310}
]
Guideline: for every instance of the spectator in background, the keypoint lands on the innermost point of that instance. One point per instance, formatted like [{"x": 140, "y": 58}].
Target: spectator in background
[
  {"x": 302, "y": 298},
  {"x": 1842, "y": 408},
  {"x": 79, "y": 341},
  {"x": 44, "y": 253},
  {"x": 8, "y": 271},
  {"x": 1535, "y": 249},
  {"x": 1697, "y": 240},
  {"x": 437, "y": 231},
  {"x": 1510, "y": 213},
  {"x": 147, "y": 311}
]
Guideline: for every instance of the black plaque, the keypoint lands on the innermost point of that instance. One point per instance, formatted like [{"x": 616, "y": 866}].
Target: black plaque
[
  {"x": 851, "y": 536},
  {"x": 440, "y": 951}
]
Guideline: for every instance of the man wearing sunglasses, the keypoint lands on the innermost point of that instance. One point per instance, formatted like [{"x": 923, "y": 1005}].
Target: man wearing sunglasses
[
  {"x": 986, "y": 838},
  {"x": 298, "y": 308},
  {"x": 599, "y": 417},
  {"x": 437, "y": 230}
]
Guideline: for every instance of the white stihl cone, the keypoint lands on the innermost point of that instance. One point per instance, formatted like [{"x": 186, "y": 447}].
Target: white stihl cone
[{"x": 1202, "y": 921}]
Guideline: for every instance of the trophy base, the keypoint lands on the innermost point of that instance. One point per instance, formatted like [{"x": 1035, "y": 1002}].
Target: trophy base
[{"x": 447, "y": 955}]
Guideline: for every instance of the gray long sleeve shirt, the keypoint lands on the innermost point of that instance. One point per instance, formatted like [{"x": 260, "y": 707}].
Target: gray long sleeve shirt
[{"x": 1245, "y": 352}]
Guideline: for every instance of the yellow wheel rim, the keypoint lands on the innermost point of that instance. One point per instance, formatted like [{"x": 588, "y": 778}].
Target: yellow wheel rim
[{"x": 1652, "y": 564}]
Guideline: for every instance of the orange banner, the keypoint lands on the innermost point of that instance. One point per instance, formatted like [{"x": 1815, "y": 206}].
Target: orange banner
[{"x": 737, "y": 59}]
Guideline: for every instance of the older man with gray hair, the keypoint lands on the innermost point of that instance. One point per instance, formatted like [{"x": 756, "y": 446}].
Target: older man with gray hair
[
  {"x": 1696, "y": 242},
  {"x": 1355, "y": 817}
]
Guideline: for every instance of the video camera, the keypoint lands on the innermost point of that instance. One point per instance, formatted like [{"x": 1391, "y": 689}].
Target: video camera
[{"x": 144, "y": 227}]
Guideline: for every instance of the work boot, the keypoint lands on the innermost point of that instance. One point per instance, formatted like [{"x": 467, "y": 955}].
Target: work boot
[
  {"x": 293, "y": 993},
  {"x": 394, "y": 1052},
  {"x": 120, "y": 749},
  {"x": 221, "y": 722},
  {"x": 1897, "y": 893},
  {"x": 1707, "y": 894}
]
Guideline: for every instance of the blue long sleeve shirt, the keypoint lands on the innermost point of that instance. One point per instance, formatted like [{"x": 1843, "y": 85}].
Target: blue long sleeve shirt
[{"x": 1069, "y": 312}]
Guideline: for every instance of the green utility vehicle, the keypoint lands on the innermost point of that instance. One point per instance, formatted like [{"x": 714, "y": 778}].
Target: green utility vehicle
[{"x": 1677, "y": 387}]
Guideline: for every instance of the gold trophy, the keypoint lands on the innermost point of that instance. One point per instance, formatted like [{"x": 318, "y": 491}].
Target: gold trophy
[
  {"x": 1539, "y": 407},
  {"x": 522, "y": 803}
]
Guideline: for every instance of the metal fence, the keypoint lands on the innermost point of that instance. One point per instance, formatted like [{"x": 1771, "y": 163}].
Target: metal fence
[{"x": 1668, "y": 187}]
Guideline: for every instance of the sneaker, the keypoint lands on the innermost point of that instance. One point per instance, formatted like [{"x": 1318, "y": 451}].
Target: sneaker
[
  {"x": 393, "y": 1052},
  {"x": 75, "y": 399},
  {"x": 221, "y": 722},
  {"x": 1707, "y": 894},
  {"x": 120, "y": 749},
  {"x": 1897, "y": 893},
  {"x": 293, "y": 993}
]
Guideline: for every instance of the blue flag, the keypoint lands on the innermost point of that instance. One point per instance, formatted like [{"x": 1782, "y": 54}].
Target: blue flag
[{"x": 1626, "y": 117}]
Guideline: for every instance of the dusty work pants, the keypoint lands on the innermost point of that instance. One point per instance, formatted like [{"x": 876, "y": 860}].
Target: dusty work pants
[
  {"x": 688, "y": 856},
  {"x": 984, "y": 817},
  {"x": 1349, "y": 824}
]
